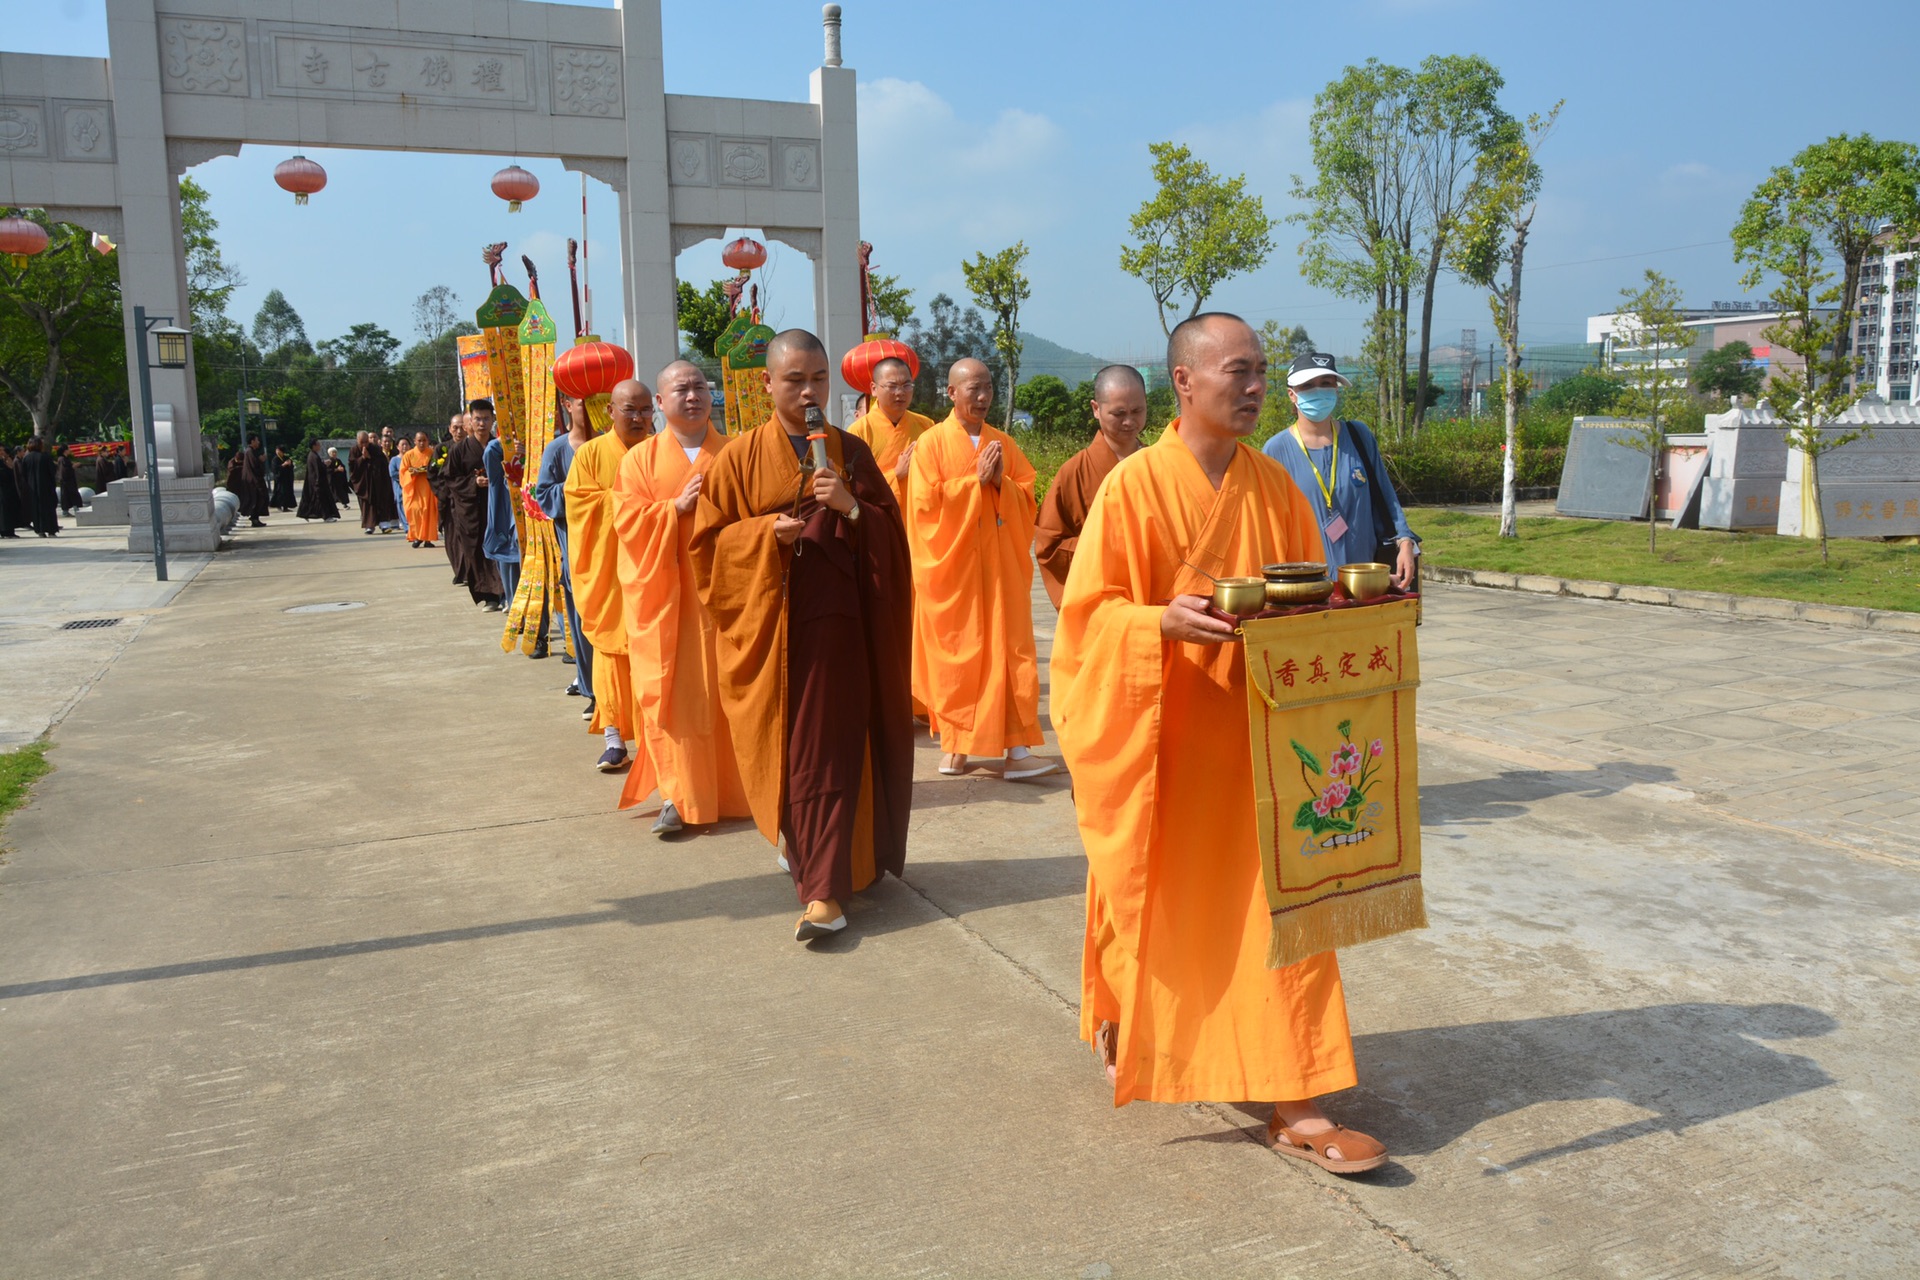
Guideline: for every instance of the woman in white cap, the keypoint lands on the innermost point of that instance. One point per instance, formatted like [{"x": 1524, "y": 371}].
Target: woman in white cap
[{"x": 1338, "y": 467}]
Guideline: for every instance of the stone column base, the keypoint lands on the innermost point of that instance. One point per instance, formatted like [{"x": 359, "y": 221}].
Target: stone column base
[
  {"x": 110, "y": 505},
  {"x": 186, "y": 514}
]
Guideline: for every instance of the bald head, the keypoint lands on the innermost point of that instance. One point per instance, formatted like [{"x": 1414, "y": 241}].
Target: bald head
[
  {"x": 892, "y": 367},
  {"x": 630, "y": 406},
  {"x": 970, "y": 386},
  {"x": 1116, "y": 380},
  {"x": 797, "y": 378},
  {"x": 1219, "y": 371},
  {"x": 1191, "y": 333},
  {"x": 686, "y": 401},
  {"x": 789, "y": 343},
  {"x": 1120, "y": 407},
  {"x": 893, "y": 388}
]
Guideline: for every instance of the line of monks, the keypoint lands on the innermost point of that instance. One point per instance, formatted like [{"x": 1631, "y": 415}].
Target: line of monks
[{"x": 764, "y": 615}]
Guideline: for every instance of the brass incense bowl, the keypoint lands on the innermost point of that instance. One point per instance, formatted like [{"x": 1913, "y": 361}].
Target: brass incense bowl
[
  {"x": 1299, "y": 571},
  {"x": 1286, "y": 595},
  {"x": 1368, "y": 581},
  {"x": 1240, "y": 597}
]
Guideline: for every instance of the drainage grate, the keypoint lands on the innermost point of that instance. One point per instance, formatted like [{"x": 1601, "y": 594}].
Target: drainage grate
[
  {"x": 331, "y": 606},
  {"x": 89, "y": 624}
]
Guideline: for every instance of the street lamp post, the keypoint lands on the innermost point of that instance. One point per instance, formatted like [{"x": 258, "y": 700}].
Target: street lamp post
[
  {"x": 246, "y": 407},
  {"x": 170, "y": 352}
]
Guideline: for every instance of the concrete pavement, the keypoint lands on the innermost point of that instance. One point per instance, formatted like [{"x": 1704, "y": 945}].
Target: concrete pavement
[{"x": 322, "y": 952}]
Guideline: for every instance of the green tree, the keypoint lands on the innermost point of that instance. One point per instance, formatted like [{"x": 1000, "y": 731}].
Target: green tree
[
  {"x": 1283, "y": 346},
  {"x": 60, "y": 326},
  {"x": 355, "y": 380},
  {"x": 950, "y": 333},
  {"x": 892, "y": 302},
  {"x": 1197, "y": 231},
  {"x": 277, "y": 326},
  {"x": 1051, "y": 404},
  {"x": 703, "y": 315},
  {"x": 1651, "y": 324},
  {"x": 1727, "y": 372},
  {"x": 1587, "y": 392},
  {"x": 1491, "y": 238},
  {"x": 434, "y": 362},
  {"x": 211, "y": 280},
  {"x": 999, "y": 287},
  {"x": 1806, "y": 218}
]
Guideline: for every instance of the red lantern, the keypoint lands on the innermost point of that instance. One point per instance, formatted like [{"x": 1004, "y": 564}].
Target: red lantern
[
  {"x": 301, "y": 176},
  {"x": 514, "y": 185},
  {"x": 744, "y": 254},
  {"x": 21, "y": 238},
  {"x": 591, "y": 368},
  {"x": 857, "y": 365}
]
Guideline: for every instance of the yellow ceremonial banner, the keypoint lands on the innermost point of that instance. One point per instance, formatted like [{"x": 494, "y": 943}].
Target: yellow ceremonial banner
[
  {"x": 1336, "y": 775},
  {"x": 476, "y": 379},
  {"x": 509, "y": 392}
]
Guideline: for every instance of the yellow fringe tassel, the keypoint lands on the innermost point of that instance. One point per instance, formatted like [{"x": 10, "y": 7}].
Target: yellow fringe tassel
[{"x": 1346, "y": 921}]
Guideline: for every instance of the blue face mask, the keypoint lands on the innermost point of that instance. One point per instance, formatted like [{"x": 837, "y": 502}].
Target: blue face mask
[{"x": 1317, "y": 405}]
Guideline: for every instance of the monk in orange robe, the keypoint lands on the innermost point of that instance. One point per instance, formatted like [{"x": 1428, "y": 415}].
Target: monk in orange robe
[
  {"x": 416, "y": 486},
  {"x": 805, "y": 573},
  {"x": 684, "y": 748},
  {"x": 1119, "y": 411},
  {"x": 889, "y": 427},
  {"x": 1150, "y": 705},
  {"x": 593, "y": 556},
  {"x": 970, "y": 524}
]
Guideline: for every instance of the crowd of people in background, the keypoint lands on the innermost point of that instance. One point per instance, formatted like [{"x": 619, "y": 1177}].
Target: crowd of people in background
[{"x": 40, "y": 483}]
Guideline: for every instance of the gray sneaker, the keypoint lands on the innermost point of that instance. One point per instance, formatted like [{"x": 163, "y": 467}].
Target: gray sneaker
[{"x": 668, "y": 823}]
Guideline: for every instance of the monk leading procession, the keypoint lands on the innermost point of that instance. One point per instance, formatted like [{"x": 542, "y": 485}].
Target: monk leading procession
[{"x": 763, "y": 621}]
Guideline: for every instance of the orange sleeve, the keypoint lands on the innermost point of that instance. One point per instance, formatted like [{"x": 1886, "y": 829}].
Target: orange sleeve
[{"x": 592, "y": 556}]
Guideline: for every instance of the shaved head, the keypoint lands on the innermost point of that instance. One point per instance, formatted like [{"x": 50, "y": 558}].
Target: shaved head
[
  {"x": 892, "y": 367},
  {"x": 679, "y": 369},
  {"x": 1219, "y": 372},
  {"x": 792, "y": 341},
  {"x": 686, "y": 400},
  {"x": 966, "y": 367},
  {"x": 1189, "y": 333},
  {"x": 970, "y": 387},
  {"x": 1117, "y": 379}
]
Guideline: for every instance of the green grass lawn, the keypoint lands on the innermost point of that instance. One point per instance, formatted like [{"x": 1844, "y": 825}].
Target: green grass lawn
[
  {"x": 19, "y": 769},
  {"x": 1870, "y": 575}
]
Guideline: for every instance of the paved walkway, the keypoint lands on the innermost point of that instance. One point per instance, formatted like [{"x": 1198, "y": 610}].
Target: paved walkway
[{"x": 323, "y": 953}]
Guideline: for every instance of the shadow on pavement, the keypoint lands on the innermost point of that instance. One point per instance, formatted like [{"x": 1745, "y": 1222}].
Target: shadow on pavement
[{"x": 1512, "y": 793}]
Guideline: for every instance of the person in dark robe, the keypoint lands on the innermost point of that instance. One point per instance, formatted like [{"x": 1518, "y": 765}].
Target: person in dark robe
[
  {"x": 263, "y": 470},
  {"x": 39, "y": 494},
  {"x": 11, "y": 516},
  {"x": 282, "y": 479},
  {"x": 106, "y": 469},
  {"x": 373, "y": 485},
  {"x": 437, "y": 474},
  {"x": 811, "y": 566},
  {"x": 246, "y": 483},
  {"x": 337, "y": 480},
  {"x": 67, "y": 479},
  {"x": 316, "y": 495},
  {"x": 467, "y": 521}
]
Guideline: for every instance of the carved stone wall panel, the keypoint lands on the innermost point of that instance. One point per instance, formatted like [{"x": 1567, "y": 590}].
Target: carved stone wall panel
[
  {"x": 108, "y": 222},
  {"x": 806, "y": 239},
  {"x": 690, "y": 159},
  {"x": 23, "y": 128},
  {"x": 745, "y": 162},
  {"x": 203, "y": 55},
  {"x": 184, "y": 153},
  {"x": 308, "y": 60},
  {"x": 586, "y": 81},
  {"x": 687, "y": 236},
  {"x": 610, "y": 171},
  {"x": 799, "y": 164},
  {"x": 85, "y": 129}
]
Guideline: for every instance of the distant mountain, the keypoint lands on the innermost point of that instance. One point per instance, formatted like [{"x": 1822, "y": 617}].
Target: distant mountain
[{"x": 1038, "y": 356}]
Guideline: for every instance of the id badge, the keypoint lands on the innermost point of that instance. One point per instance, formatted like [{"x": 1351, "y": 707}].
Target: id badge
[{"x": 1335, "y": 527}]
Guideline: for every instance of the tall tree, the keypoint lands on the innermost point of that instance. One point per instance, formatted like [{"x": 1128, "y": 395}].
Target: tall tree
[
  {"x": 436, "y": 314},
  {"x": 1494, "y": 237},
  {"x": 277, "y": 325},
  {"x": 702, "y": 315},
  {"x": 1651, "y": 323},
  {"x": 355, "y": 377},
  {"x": 1457, "y": 116},
  {"x": 949, "y": 333},
  {"x": 211, "y": 280},
  {"x": 1000, "y": 287},
  {"x": 1197, "y": 231},
  {"x": 1283, "y": 346},
  {"x": 1361, "y": 211},
  {"x": 1726, "y": 372},
  {"x": 1806, "y": 218},
  {"x": 892, "y": 302},
  {"x": 63, "y": 305}
]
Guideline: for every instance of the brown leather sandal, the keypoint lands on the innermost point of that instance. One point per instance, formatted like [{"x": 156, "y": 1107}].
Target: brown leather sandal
[
  {"x": 1358, "y": 1152},
  {"x": 1106, "y": 1044}
]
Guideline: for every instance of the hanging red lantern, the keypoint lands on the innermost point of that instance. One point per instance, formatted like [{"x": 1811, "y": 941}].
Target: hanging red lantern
[
  {"x": 744, "y": 254},
  {"x": 21, "y": 238},
  {"x": 591, "y": 368},
  {"x": 515, "y": 185},
  {"x": 301, "y": 176},
  {"x": 857, "y": 365}
]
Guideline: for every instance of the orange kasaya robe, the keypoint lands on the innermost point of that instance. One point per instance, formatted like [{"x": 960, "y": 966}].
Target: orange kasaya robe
[
  {"x": 593, "y": 564},
  {"x": 423, "y": 508},
  {"x": 889, "y": 440},
  {"x": 685, "y": 748},
  {"x": 814, "y": 644},
  {"x": 1063, "y": 513},
  {"x": 1155, "y": 733},
  {"x": 974, "y": 666}
]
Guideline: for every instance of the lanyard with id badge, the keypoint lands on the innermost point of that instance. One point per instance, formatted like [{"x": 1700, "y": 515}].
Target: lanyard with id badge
[{"x": 1334, "y": 525}]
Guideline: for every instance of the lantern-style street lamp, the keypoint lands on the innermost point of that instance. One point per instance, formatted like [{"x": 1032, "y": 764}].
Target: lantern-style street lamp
[{"x": 169, "y": 352}]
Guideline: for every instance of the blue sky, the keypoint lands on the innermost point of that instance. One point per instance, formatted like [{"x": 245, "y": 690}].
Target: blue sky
[{"x": 1002, "y": 121}]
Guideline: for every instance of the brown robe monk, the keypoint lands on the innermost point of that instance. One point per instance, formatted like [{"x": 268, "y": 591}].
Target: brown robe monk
[
  {"x": 467, "y": 521},
  {"x": 1063, "y": 513},
  {"x": 815, "y": 647},
  {"x": 374, "y": 485}
]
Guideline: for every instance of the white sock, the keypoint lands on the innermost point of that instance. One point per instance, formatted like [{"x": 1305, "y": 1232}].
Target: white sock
[
  {"x": 614, "y": 739},
  {"x": 1018, "y": 753}
]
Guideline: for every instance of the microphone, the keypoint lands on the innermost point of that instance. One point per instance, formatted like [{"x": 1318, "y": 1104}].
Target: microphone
[{"x": 817, "y": 435}]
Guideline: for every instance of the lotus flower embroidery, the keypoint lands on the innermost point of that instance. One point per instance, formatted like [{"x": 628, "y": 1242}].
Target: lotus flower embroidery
[{"x": 1331, "y": 815}]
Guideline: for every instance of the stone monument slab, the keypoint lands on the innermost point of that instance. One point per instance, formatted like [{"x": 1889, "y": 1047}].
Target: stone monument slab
[{"x": 1604, "y": 477}]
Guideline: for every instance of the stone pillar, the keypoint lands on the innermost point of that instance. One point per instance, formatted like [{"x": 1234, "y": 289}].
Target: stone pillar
[
  {"x": 152, "y": 257},
  {"x": 836, "y": 275},
  {"x": 646, "y": 237}
]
